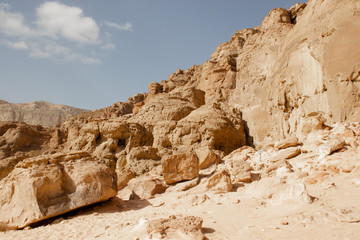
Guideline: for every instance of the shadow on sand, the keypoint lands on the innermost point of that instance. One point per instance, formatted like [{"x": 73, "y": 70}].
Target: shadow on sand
[{"x": 112, "y": 205}]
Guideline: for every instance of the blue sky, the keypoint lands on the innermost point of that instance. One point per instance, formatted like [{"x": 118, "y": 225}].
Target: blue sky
[{"x": 91, "y": 54}]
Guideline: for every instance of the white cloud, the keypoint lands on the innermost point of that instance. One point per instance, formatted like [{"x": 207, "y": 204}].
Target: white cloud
[
  {"x": 122, "y": 27},
  {"x": 89, "y": 60},
  {"x": 12, "y": 24},
  {"x": 54, "y": 30},
  {"x": 55, "y": 51},
  {"x": 55, "y": 19},
  {"x": 109, "y": 46},
  {"x": 17, "y": 45}
]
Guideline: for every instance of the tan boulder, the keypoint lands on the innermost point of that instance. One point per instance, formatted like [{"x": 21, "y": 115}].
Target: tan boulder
[
  {"x": 330, "y": 146},
  {"x": 276, "y": 18},
  {"x": 291, "y": 141},
  {"x": 146, "y": 187},
  {"x": 123, "y": 177},
  {"x": 154, "y": 88},
  {"x": 277, "y": 191},
  {"x": 174, "y": 227},
  {"x": 50, "y": 185},
  {"x": 219, "y": 182},
  {"x": 208, "y": 126},
  {"x": 206, "y": 157},
  {"x": 184, "y": 186},
  {"x": 285, "y": 154},
  {"x": 238, "y": 166},
  {"x": 179, "y": 167}
]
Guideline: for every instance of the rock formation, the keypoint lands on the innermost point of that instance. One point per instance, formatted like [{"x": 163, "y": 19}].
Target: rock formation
[
  {"x": 37, "y": 113},
  {"x": 46, "y": 186},
  {"x": 288, "y": 87}
]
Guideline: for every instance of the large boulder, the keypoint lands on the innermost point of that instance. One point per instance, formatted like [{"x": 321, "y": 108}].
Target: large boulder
[
  {"x": 220, "y": 182},
  {"x": 180, "y": 167},
  {"x": 238, "y": 166},
  {"x": 146, "y": 187},
  {"x": 50, "y": 185},
  {"x": 207, "y": 157},
  {"x": 208, "y": 126}
]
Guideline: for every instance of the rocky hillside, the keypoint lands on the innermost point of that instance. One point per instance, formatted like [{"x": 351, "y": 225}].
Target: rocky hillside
[
  {"x": 271, "y": 114},
  {"x": 37, "y": 113}
]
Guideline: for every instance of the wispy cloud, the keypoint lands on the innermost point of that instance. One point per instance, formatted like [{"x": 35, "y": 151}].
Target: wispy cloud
[
  {"x": 56, "y": 27},
  {"x": 17, "y": 45},
  {"x": 56, "y": 51},
  {"x": 12, "y": 24},
  {"x": 122, "y": 27},
  {"x": 108, "y": 46}
]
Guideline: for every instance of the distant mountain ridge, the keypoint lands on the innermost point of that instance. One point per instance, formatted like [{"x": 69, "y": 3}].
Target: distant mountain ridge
[{"x": 37, "y": 113}]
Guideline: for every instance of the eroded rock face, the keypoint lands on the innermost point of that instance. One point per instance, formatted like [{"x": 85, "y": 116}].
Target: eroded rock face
[
  {"x": 281, "y": 84},
  {"x": 21, "y": 137},
  {"x": 220, "y": 182},
  {"x": 179, "y": 167},
  {"x": 299, "y": 51},
  {"x": 208, "y": 126},
  {"x": 146, "y": 187},
  {"x": 171, "y": 106},
  {"x": 238, "y": 165},
  {"x": 49, "y": 185}
]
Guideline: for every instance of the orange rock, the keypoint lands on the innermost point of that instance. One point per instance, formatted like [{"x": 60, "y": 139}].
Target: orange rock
[
  {"x": 320, "y": 175},
  {"x": 333, "y": 169},
  {"x": 310, "y": 181}
]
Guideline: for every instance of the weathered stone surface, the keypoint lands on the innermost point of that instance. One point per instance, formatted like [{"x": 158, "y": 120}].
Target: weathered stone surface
[
  {"x": 220, "y": 182},
  {"x": 330, "y": 146},
  {"x": 291, "y": 141},
  {"x": 8, "y": 164},
  {"x": 146, "y": 187},
  {"x": 49, "y": 185},
  {"x": 37, "y": 113},
  {"x": 183, "y": 186},
  {"x": 277, "y": 192},
  {"x": 309, "y": 80},
  {"x": 179, "y": 167},
  {"x": 143, "y": 159},
  {"x": 171, "y": 106},
  {"x": 123, "y": 177},
  {"x": 176, "y": 228},
  {"x": 208, "y": 126},
  {"x": 285, "y": 154},
  {"x": 238, "y": 167},
  {"x": 17, "y": 138},
  {"x": 206, "y": 157},
  {"x": 107, "y": 139}
]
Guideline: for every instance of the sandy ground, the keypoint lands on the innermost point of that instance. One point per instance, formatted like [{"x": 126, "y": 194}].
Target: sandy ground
[{"x": 252, "y": 211}]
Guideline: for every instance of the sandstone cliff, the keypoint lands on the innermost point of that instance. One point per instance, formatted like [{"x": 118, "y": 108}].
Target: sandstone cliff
[
  {"x": 298, "y": 64},
  {"x": 37, "y": 113}
]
